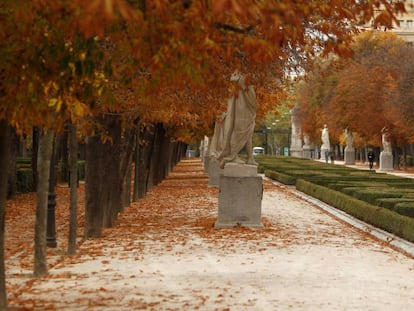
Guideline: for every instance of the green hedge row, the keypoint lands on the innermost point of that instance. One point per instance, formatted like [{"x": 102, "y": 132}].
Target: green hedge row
[
  {"x": 25, "y": 181},
  {"x": 24, "y": 175},
  {"x": 380, "y": 199},
  {"x": 380, "y": 217}
]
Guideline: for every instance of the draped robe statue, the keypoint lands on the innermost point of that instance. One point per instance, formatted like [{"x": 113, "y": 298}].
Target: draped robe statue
[{"x": 239, "y": 124}]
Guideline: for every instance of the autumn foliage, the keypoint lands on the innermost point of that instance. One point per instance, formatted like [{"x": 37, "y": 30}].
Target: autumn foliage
[
  {"x": 363, "y": 93},
  {"x": 127, "y": 69}
]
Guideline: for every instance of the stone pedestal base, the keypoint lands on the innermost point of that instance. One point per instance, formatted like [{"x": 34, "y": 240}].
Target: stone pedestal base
[
  {"x": 349, "y": 157},
  {"x": 214, "y": 172},
  {"x": 240, "y": 170},
  {"x": 298, "y": 153},
  {"x": 240, "y": 198},
  {"x": 206, "y": 163},
  {"x": 307, "y": 153},
  {"x": 386, "y": 161},
  {"x": 324, "y": 152}
]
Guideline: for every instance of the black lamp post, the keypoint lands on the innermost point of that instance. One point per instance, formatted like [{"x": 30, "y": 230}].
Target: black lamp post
[{"x": 51, "y": 204}]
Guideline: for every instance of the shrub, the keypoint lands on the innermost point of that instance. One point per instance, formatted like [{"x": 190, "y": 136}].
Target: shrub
[
  {"x": 283, "y": 178},
  {"x": 377, "y": 216},
  {"x": 391, "y": 202},
  {"x": 405, "y": 208},
  {"x": 81, "y": 169},
  {"x": 370, "y": 195},
  {"x": 25, "y": 181}
]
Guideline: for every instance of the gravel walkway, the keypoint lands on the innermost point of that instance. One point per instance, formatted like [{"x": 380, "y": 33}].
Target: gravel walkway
[{"x": 164, "y": 254}]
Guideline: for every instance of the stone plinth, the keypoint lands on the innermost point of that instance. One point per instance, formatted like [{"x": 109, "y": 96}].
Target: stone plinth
[
  {"x": 206, "y": 163},
  {"x": 386, "y": 161},
  {"x": 349, "y": 156},
  {"x": 307, "y": 153},
  {"x": 324, "y": 152},
  {"x": 214, "y": 172},
  {"x": 240, "y": 198},
  {"x": 298, "y": 152},
  {"x": 239, "y": 170}
]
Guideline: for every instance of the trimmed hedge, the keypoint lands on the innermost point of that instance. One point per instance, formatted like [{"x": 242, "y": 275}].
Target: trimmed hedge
[
  {"x": 81, "y": 169},
  {"x": 391, "y": 202},
  {"x": 24, "y": 175},
  {"x": 283, "y": 178},
  {"x": 405, "y": 208},
  {"x": 25, "y": 181},
  {"x": 380, "y": 217},
  {"x": 380, "y": 199}
]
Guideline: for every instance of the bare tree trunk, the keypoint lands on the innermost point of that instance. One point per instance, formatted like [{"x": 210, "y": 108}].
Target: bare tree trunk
[
  {"x": 4, "y": 162},
  {"x": 63, "y": 153},
  {"x": 14, "y": 143},
  {"x": 112, "y": 182},
  {"x": 103, "y": 178},
  {"x": 154, "y": 164},
  {"x": 126, "y": 196},
  {"x": 35, "y": 150},
  {"x": 73, "y": 173},
  {"x": 43, "y": 162},
  {"x": 93, "y": 207},
  {"x": 145, "y": 152},
  {"x": 128, "y": 147},
  {"x": 135, "y": 195}
]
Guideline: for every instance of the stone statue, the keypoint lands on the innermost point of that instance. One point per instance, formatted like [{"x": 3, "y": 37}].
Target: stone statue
[
  {"x": 296, "y": 149},
  {"x": 386, "y": 158},
  {"x": 306, "y": 140},
  {"x": 386, "y": 143},
  {"x": 349, "y": 139},
  {"x": 326, "y": 146},
  {"x": 239, "y": 123},
  {"x": 217, "y": 141},
  {"x": 325, "y": 138},
  {"x": 349, "y": 154}
]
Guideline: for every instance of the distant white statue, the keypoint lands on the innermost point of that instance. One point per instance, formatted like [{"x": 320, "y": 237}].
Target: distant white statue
[
  {"x": 306, "y": 140},
  {"x": 349, "y": 139},
  {"x": 239, "y": 123},
  {"x": 325, "y": 138},
  {"x": 326, "y": 146},
  {"x": 386, "y": 142}
]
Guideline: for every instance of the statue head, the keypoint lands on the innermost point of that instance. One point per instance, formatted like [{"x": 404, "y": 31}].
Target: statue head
[{"x": 237, "y": 76}]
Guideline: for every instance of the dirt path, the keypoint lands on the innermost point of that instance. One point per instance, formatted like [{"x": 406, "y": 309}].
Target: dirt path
[{"x": 164, "y": 254}]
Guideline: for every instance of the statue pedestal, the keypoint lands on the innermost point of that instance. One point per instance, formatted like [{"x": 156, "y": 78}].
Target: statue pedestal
[
  {"x": 240, "y": 198},
  {"x": 214, "y": 172},
  {"x": 307, "y": 152},
  {"x": 386, "y": 161},
  {"x": 298, "y": 152},
  {"x": 324, "y": 153},
  {"x": 349, "y": 156},
  {"x": 206, "y": 163}
]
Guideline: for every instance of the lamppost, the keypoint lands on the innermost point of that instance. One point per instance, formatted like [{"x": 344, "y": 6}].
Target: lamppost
[{"x": 51, "y": 204}]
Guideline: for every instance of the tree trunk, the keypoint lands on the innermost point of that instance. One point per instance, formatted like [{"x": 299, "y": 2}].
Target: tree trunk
[
  {"x": 135, "y": 195},
  {"x": 73, "y": 173},
  {"x": 14, "y": 151},
  {"x": 63, "y": 153},
  {"x": 43, "y": 161},
  {"x": 4, "y": 159},
  {"x": 94, "y": 174},
  {"x": 35, "y": 150},
  {"x": 126, "y": 196},
  {"x": 112, "y": 181},
  {"x": 145, "y": 151},
  {"x": 103, "y": 178},
  {"x": 128, "y": 147}
]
